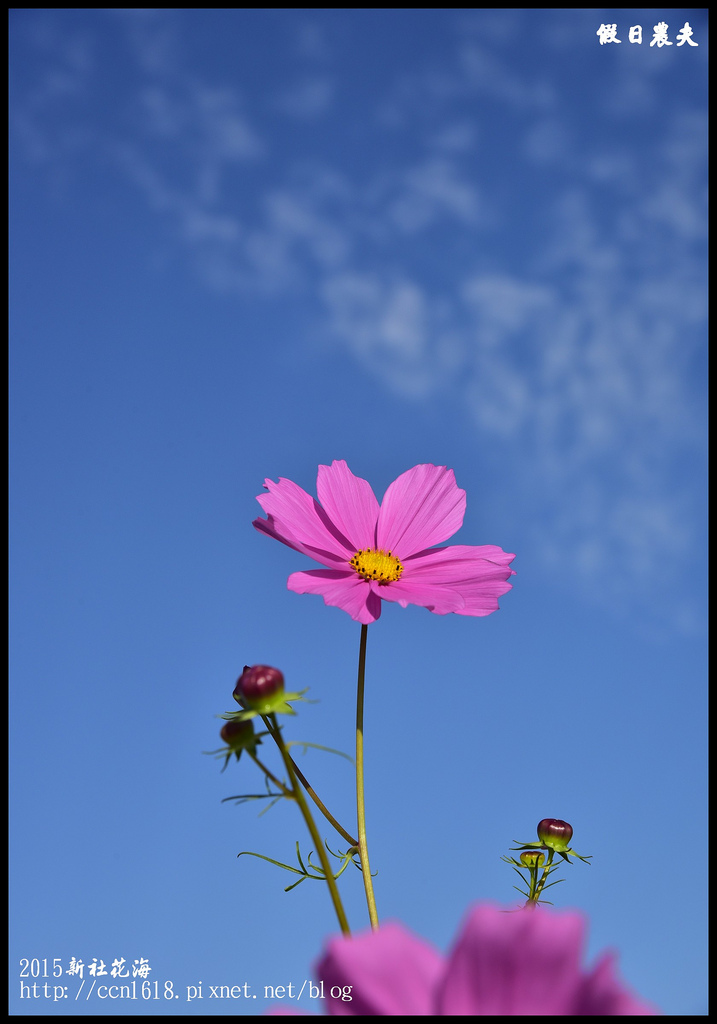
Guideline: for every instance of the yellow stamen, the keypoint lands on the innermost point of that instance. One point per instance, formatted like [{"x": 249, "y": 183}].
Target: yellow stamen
[{"x": 381, "y": 566}]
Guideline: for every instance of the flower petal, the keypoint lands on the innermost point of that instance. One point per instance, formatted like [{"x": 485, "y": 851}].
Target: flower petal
[
  {"x": 509, "y": 964},
  {"x": 436, "y": 598},
  {"x": 423, "y": 507},
  {"x": 272, "y": 528},
  {"x": 341, "y": 590},
  {"x": 391, "y": 973},
  {"x": 349, "y": 502},
  {"x": 299, "y": 521},
  {"x": 603, "y": 995},
  {"x": 481, "y": 598},
  {"x": 461, "y": 562},
  {"x": 477, "y": 573}
]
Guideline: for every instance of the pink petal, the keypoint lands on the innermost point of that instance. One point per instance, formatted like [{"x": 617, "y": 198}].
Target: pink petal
[
  {"x": 350, "y": 504},
  {"x": 423, "y": 507},
  {"x": 436, "y": 598},
  {"x": 511, "y": 964},
  {"x": 459, "y": 563},
  {"x": 477, "y": 573},
  {"x": 340, "y": 589},
  {"x": 603, "y": 995},
  {"x": 481, "y": 598},
  {"x": 391, "y": 973},
  {"x": 280, "y": 532},
  {"x": 299, "y": 520}
]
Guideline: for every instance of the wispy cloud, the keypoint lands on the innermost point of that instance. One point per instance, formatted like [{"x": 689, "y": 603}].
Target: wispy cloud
[
  {"x": 431, "y": 192},
  {"x": 307, "y": 99},
  {"x": 395, "y": 329},
  {"x": 41, "y": 101},
  {"x": 153, "y": 37}
]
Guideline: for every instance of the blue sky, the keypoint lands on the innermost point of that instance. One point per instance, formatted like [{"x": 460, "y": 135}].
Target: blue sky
[{"x": 248, "y": 242}]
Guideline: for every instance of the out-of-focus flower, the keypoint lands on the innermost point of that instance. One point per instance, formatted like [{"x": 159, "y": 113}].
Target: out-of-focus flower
[
  {"x": 385, "y": 552},
  {"x": 502, "y": 964},
  {"x": 238, "y": 735}
]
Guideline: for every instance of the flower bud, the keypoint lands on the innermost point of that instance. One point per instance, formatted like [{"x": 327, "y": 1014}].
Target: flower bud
[
  {"x": 556, "y": 834},
  {"x": 257, "y": 685},
  {"x": 532, "y": 858},
  {"x": 236, "y": 734}
]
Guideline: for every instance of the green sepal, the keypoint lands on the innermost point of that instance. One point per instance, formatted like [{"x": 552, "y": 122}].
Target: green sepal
[
  {"x": 277, "y": 704},
  {"x": 565, "y": 854},
  {"x": 585, "y": 860},
  {"x": 250, "y": 743},
  {"x": 511, "y": 860}
]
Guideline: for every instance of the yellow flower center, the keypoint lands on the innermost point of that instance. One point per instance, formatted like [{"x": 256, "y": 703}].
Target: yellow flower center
[{"x": 381, "y": 566}]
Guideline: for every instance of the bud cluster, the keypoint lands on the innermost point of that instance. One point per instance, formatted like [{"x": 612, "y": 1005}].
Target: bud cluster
[{"x": 554, "y": 835}]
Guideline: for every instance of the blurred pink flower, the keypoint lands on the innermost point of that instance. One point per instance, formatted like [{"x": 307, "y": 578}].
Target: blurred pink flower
[
  {"x": 502, "y": 964},
  {"x": 385, "y": 552}
]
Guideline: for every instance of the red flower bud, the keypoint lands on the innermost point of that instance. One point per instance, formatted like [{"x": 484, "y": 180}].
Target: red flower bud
[
  {"x": 237, "y": 733},
  {"x": 257, "y": 684},
  {"x": 532, "y": 858},
  {"x": 556, "y": 834}
]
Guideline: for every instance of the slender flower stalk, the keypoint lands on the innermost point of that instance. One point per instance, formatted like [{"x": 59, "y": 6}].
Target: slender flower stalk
[
  {"x": 535, "y": 893},
  {"x": 360, "y": 801},
  {"x": 270, "y": 775},
  {"x": 321, "y": 805},
  {"x": 311, "y": 825}
]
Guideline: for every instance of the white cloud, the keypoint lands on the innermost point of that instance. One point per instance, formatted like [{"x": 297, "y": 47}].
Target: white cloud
[
  {"x": 548, "y": 142},
  {"x": 454, "y": 138},
  {"x": 311, "y": 42},
  {"x": 394, "y": 329},
  {"x": 502, "y": 303},
  {"x": 64, "y": 67},
  {"x": 153, "y": 37},
  {"x": 293, "y": 217},
  {"x": 485, "y": 72},
  {"x": 222, "y": 127},
  {"x": 430, "y": 192},
  {"x": 308, "y": 99}
]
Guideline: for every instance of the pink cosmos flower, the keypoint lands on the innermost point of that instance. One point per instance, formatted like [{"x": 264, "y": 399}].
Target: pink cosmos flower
[
  {"x": 502, "y": 964},
  {"x": 385, "y": 552}
]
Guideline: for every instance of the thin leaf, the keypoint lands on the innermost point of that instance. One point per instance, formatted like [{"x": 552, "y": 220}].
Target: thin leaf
[
  {"x": 294, "y": 885},
  {"x": 271, "y": 860},
  {"x": 298, "y": 857},
  {"x": 319, "y": 746}
]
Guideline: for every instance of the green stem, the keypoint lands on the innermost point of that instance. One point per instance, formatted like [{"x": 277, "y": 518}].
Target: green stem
[
  {"x": 310, "y": 824},
  {"x": 544, "y": 876},
  {"x": 310, "y": 790},
  {"x": 321, "y": 806},
  {"x": 360, "y": 805},
  {"x": 270, "y": 775}
]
